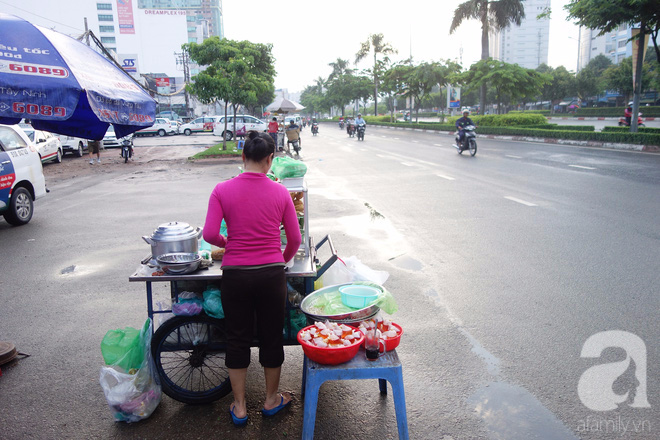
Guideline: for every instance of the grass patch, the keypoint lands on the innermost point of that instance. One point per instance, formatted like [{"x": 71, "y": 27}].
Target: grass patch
[{"x": 217, "y": 151}]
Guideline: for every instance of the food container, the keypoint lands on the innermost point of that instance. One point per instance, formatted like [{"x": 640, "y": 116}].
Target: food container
[
  {"x": 352, "y": 317},
  {"x": 174, "y": 237},
  {"x": 392, "y": 343},
  {"x": 357, "y": 296},
  {"x": 179, "y": 263},
  {"x": 330, "y": 355}
]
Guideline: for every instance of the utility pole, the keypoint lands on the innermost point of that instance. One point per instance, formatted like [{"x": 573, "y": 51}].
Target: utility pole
[
  {"x": 86, "y": 32},
  {"x": 183, "y": 59}
]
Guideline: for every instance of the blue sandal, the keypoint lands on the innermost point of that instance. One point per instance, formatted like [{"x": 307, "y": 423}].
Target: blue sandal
[
  {"x": 238, "y": 421},
  {"x": 271, "y": 412}
]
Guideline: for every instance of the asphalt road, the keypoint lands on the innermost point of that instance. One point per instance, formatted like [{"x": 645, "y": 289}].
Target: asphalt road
[{"x": 502, "y": 265}]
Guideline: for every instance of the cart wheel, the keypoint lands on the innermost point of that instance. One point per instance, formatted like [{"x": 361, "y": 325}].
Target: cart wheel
[{"x": 189, "y": 353}]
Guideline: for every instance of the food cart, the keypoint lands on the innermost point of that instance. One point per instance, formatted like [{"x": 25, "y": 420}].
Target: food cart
[{"x": 189, "y": 351}]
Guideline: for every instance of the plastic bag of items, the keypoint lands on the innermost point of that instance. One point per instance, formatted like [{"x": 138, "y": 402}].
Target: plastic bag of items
[{"x": 131, "y": 389}]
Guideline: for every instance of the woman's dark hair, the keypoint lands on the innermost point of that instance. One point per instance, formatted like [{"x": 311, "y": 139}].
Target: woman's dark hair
[{"x": 258, "y": 146}]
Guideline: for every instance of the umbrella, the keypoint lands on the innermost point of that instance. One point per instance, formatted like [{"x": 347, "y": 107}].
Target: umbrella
[
  {"x": 64, "y": 86},
  {"x": 282, "y": 105}
]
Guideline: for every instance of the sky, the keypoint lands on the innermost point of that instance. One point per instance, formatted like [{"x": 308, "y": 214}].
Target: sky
[{"x": 307, "y": 36}]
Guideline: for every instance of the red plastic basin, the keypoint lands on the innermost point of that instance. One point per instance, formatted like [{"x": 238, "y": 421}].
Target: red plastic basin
[{"x": 330, "y": 355}]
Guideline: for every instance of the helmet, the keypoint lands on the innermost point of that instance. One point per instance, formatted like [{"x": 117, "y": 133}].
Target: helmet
[
  {"x": 466, "y": 112},
  {"x": 630, "y": 103},
  {"x": 359, "y": 114}
]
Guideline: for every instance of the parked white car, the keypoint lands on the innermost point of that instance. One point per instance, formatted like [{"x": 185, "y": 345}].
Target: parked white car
[
  {"x": 48, "y": 145},
  {"x": 110, "y": 138},
  {"x": 21, "y": 175},
  {"x": 247, "y": 121},
  {"x": 161, "y": 127},
  {"x": 204, "y": 124},
  {"x": 73, "y": 145}
]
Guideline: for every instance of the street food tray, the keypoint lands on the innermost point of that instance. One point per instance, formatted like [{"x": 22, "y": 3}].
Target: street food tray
[{"x": 302, "y": 266}]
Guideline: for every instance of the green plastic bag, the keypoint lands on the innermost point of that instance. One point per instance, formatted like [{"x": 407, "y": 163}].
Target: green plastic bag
[
  {"x": 329, "y": 303},
  {"x": 122, "y": 348},
  {"x": 213, "y": 303},
  {"x": 284, "y": 167}
]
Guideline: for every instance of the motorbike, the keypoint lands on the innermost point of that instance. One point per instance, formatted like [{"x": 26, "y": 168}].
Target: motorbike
[
  {"x": 126, "y": 149},
  {"x": 469, "y": 141},
  {"x": 624, "y": 123},
  {"x": 350, "y": 130},
  {"x": 361, "y": 128},
  {"x": 315, "y": 128},
  {"x": 341, "y": 125}
]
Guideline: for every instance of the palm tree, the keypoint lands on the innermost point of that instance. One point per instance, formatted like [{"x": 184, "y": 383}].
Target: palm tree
[
  {"x": 320, "y": 84},
  {"x": 339, "y": 68},
  {"x": 375, "y": 43},
  {"x": 493, "y": 15}
]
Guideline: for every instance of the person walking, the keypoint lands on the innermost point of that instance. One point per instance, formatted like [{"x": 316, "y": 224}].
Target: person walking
[
  {"x": 94, "y": 147},
  {"x": 253, "y": 282},
  {"x": 273, "y": 128}
]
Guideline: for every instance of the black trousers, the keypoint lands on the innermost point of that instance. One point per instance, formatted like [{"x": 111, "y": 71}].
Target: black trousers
[{"x": 249, "y": 295}]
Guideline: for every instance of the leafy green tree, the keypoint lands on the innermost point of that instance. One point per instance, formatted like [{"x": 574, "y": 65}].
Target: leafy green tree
[
  {"x": 375, "y": 44},
  {"x": 618, "y": 77},
  {"x": 562, "y": 84},
  {"x": 237, "y": 72},
  {"x": 493, "y": 15},
  {"x": 313, "y": 99},
  {"x": 590, "y": 81},
  {"x": 393, "y": 85},
  {"x": 608, "y": 15},
  {"x": 510, "y": 81}
]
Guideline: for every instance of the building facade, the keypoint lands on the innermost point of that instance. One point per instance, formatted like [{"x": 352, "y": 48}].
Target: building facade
[
  {"x": 526, "y": 45},
  {"x": 615, "y": 45}
]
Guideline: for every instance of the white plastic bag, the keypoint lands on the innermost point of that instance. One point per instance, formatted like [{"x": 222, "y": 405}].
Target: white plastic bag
[
  {"x": 132, "y": 397},
  {"x": 349, "y": 270},
  {"x": 361, "y": 272}
]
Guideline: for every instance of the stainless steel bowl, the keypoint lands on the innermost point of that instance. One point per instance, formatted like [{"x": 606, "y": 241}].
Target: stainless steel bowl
[
  {"x": 343, "y": 318},
  {"x": 179, "y": 263}
]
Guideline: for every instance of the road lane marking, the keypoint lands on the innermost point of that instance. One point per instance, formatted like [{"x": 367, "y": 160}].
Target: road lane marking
[
  {"x": 397, "y": 139},
  {"x": 522, "y": 202},
  {"x": 438, "y": 145},
  {"x": 384, "y": 136},
  {"x": 582, "y": 167},
  {"x": 408, "y": 164},
  {"x": 445, "y": 177},
  {"x": 511, "y": 155},
  {"x": 415, "y": 142}
]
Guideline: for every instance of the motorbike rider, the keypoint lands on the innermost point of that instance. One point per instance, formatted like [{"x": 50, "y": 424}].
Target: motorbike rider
[
  {"x": 359, "y": 120},
  {"x": 292, "y": 132},
  {"x": 628, "y": 113},
  {"x": 460, "y": 124}
]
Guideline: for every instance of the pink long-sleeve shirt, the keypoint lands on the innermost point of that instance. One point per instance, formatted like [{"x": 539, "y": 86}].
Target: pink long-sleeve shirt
[{"x": 253, "y": 207}]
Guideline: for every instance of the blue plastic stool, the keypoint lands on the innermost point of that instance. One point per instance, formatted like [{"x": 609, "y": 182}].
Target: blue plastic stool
[
  {"x": 239, "y": 145},
  {"x": 386, "y": 368}
]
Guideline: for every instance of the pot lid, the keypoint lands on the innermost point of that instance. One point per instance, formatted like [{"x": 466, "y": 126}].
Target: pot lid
[
  {"x": 7, "y": 352},
  {"x": 174, "y": 231}
]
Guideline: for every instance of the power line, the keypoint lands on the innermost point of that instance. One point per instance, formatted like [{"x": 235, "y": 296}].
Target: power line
[{"x": 44, "y": 18}]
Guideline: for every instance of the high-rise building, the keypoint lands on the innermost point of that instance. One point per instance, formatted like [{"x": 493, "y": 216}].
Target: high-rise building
[
  {"x": 615, "y": 45},
  {"x": 204, "y": 17},
  {"x": 527, "y": 44}
]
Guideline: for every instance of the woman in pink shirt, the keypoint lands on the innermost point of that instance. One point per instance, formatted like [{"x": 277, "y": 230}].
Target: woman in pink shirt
[{"x": 253, "y": 279}]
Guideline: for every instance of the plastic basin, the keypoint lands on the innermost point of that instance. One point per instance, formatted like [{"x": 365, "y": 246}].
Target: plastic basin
[
  {"x": 330, "y": 355},
  {"x": 357, "y": 296}
]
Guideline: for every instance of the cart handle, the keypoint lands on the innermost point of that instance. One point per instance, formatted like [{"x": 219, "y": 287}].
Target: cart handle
[{"x": 330, "y": 260}]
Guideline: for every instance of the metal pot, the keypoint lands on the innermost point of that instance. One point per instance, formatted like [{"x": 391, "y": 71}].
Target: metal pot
[{"x": 174, "y": 237}]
